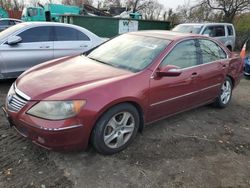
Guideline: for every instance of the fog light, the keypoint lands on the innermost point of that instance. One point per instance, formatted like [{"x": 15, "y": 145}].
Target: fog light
[{"x": 41, "y": 140}]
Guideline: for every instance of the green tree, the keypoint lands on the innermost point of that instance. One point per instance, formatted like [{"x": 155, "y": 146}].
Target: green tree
[
  {"x": 242, "y": 28},
  {"x": 229, "y": 8}
]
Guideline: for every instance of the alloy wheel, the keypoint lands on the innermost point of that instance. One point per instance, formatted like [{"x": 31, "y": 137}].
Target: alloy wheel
[
  {"x": 226, "y": 92},
  {"x": 119, "y": 129}
]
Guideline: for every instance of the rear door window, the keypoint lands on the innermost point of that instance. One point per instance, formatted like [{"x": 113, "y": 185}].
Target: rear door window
[
  {"x": 36, "y": 34},
  {"x": 230, "y": 30},
  {"x": 211, "y": 51},
  {"x": 183, "y": 55},
  {"x": 219, "y": 31},
  {"x": 69, "y": 34}
]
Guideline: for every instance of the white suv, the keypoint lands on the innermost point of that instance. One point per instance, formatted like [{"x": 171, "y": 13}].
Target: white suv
[{"x": 224, "y": 32}]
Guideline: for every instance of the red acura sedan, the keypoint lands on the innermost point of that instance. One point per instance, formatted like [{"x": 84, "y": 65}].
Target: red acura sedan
[{"x": 107, "y": 95}]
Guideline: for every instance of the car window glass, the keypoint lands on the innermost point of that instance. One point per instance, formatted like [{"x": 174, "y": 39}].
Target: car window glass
[
  {"x": 209, "y": 31},
  {"x": 12, "y": 22},
  {"x": 32, "y": 12},
  {"x": 36, "y": 34},
  {"x": 230, "y": 30},
  {"x": 219, "y": 31},
  {"x": 211, "y": 51},
  {"x": 188, "y": 28},
  {"x": 129, "y": 51},
  {"x": 183, "y": 55},
  {"x": 69, "y": 34},
  {"x": 215, "y": 31},
  {"x": 4, "y": 22}
]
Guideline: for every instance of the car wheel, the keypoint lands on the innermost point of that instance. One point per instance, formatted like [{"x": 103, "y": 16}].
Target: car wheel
[
  {"x": 225, "y": 95},
  {"x": 116, "y": 129}
]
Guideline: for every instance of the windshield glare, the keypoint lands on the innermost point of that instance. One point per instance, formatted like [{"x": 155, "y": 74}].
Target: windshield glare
[
  {"x": 188, "y": 29},
  {"x": 128, "y": 51}
]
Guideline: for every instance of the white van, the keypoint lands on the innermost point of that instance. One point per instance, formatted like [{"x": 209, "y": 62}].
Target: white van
[{"x": 224, "y": 32}]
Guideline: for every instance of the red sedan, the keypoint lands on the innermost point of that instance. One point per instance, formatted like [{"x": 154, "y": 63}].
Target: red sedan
[{"x": 108, "y": 94}]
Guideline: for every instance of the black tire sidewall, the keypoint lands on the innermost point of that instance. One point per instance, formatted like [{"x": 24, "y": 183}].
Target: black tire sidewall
[{"x": 97, "y": 137}]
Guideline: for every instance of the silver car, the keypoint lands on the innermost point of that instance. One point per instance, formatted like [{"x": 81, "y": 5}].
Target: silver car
[
  {"x": 30, "y": 43},
  {"x": 8, "y": 22},
  {"x": 223, "y": 32}
]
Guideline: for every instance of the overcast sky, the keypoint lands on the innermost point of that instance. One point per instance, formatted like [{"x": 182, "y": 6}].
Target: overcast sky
[
  {"x": 174, "y": 3},
  {"x": 167, "y": 3}
]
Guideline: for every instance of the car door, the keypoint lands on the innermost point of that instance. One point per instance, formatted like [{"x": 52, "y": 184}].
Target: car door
[
  {"x": 213, "y": 69},
  {"x": 169, "y": 95},
  {"x": 36, "y": 47},
  {"x": 69, "y": 41}
]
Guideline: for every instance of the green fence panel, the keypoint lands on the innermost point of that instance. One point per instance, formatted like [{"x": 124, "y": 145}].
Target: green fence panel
[
  {"x": 152, "y": 24},
  {"x": 101, "y": 26},
  {"x": 110, "y": 27}
]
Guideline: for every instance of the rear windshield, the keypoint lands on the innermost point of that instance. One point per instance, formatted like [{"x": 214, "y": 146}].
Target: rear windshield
[{"x": 188, "y": 28}]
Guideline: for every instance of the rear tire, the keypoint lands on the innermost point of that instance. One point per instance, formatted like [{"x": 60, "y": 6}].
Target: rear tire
[
  {"x": 225, "y": 96},
  {"x": 116, "y": 129}
]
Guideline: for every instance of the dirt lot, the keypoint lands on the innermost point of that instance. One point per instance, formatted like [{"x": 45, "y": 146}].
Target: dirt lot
[{"x": 205, "y": 147}]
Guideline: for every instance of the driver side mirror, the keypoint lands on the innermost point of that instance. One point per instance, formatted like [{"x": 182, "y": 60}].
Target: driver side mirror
[
  {"x": 14, "y": 40},
  {"x": 169, "y": 71}
]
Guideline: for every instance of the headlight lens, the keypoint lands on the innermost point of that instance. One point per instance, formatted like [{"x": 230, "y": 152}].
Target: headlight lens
[{"x": 57, "y": 110}]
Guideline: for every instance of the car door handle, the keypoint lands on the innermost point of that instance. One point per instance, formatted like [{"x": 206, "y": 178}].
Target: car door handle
[
  {"x": 44, "y": 47},
  {"x": 83, "y": 46},
  {"x": 194, "y": 74},
  {"x": 224, "y": 66}
]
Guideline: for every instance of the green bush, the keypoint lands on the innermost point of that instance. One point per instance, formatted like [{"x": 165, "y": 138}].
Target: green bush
[{"x": 242, "y": 27}]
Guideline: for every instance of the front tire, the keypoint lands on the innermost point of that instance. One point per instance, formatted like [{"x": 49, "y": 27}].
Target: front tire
[
  {"x": 225, "y": 96},
  {"x": 116, "y": 129}
]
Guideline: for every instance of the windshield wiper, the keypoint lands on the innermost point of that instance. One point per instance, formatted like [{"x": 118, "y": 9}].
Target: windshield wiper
[
  {"x": 101, "y": 61},
  {"x": 113, "y": 65}
]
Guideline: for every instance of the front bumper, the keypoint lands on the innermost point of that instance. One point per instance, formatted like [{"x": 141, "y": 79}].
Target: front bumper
[{"x": 64, "y": 135}]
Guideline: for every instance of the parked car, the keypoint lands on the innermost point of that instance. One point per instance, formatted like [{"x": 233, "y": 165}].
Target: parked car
[
  {"x": 8, "y": 22},
  {"x": 27, "y": 44},
  {"x": 223, "y": 32},
  {"x": 247, "y": 66},
  {"x": 109, "y": 94}
]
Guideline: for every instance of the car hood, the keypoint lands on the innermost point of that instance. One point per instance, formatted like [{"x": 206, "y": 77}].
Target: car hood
[{"x": 58, "y": 76}]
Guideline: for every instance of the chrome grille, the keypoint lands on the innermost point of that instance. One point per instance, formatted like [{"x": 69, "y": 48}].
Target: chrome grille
[
  {"x": 16, "y": 99},
  {"x": 16, "y": 103}
]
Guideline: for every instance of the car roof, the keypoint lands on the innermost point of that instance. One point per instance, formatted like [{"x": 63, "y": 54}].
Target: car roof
[
  {"x": 46, "y": 24},
  {"x": 35, "y": 24},
  {"x": 169, "y": 35},
  {"x": 206, "y": 23},
  {"x": 11, "y": 19}
]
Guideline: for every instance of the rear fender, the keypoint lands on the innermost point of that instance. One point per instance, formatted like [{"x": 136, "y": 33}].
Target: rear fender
[{"x": 235, "y": 69}]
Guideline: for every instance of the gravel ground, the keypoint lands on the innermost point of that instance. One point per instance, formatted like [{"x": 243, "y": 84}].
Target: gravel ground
[{"x": 204, "y": 147}]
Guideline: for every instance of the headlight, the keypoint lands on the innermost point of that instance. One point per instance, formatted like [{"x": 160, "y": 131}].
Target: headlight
[{"x": 56, "y": 110}]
